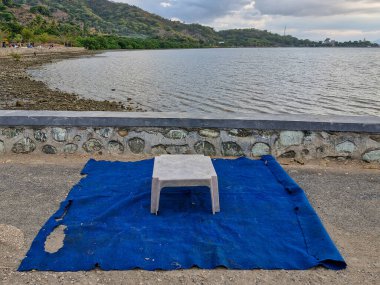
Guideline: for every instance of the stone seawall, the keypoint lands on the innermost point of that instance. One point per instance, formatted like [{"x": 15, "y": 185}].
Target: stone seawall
[{"x": 30, "y": 133}]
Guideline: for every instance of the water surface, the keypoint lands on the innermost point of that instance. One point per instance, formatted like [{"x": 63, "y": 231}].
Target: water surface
[{"x": 341, "y": 81}]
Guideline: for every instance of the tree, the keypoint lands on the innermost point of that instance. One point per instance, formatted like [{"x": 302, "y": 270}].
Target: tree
[
  {"x": 8, "y": 3},
  {"x": 27, "y": 34},
  {"x": 17, "y": 38},
  {"x": 3, "y": 36},
  {"x": 44, "y": 38},
  {"x": 43, "y": 10}
]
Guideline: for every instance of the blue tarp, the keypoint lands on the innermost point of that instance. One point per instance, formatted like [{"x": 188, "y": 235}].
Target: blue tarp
[{"x": 265, "y": 222}]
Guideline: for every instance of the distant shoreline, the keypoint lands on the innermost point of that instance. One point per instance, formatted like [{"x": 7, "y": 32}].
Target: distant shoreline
[
  {"x": 20, "y": 92},
  {"x": 69, "y": 52}
]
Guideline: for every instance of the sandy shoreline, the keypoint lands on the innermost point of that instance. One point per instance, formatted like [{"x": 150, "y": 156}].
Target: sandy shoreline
[
  {"x": 19, "y": 92},
  {"x": 5, "y": 52}
]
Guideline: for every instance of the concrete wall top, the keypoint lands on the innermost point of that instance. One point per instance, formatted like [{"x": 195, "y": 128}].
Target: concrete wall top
[{"x": 368, "y": 124}]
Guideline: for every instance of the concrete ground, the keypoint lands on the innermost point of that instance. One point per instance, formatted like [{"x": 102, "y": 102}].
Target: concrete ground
[{"x": 346, "y": 197}]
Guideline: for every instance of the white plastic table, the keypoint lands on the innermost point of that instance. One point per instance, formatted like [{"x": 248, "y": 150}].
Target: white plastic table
[{"x": 183, "y": 170}]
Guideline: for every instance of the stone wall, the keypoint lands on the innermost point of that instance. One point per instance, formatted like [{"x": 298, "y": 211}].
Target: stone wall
[{"x": 300, "y": 145}]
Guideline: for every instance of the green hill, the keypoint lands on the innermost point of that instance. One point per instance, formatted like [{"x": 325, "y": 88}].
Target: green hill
[
  {"x": 101, "y": 24},
  {"x": 67, "y": 18}
]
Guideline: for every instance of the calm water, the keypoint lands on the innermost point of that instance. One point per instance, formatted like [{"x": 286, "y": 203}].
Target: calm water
[{"x": 270, "y": 80}]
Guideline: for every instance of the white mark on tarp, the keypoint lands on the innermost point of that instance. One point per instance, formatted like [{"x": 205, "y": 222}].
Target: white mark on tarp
[{"x": 54, "y": 242}]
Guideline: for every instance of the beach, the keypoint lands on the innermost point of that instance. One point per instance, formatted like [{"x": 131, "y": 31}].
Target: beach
[{"x": 19, "y": 92}]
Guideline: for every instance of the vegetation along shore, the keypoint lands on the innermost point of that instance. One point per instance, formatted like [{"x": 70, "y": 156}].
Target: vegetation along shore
[{"x": 18, "y": 91}]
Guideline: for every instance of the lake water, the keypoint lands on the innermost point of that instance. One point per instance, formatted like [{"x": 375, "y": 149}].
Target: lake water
[{"x": 341, "y": 81}]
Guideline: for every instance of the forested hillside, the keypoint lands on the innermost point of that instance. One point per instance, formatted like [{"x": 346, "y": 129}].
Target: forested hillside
[{"x": 101, "y": 24}]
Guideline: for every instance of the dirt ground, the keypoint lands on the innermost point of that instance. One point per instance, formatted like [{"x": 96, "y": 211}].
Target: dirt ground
[
  {"x": 346, "y": 198},
  {"x": 19, "y": 92}
]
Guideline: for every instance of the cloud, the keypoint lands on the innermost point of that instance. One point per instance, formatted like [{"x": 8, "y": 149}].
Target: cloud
[
  {"x": 317, "y": 7},
  {"x": 314, "y": 19},
  {"x": 165, "y": 4},
  {"x": 191, "y": 10}
]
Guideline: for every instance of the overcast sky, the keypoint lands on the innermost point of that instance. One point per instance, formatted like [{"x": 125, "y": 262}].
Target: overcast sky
[{"x": 312, "y": 19}]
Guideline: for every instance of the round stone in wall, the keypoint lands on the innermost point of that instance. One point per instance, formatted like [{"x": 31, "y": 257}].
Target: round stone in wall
[
  {"x": 372, "y": 156},
  {"x": 240, "y": 133},
  {"x": 105, "y": 132},
  {"x": 92, "y": 145},
  {"x": 204, "y": 147},
  {"x": 136, "y": 145},
  {"x": 59, "y": 134},
  {"x": 232, "y": 149},
  {"x": 115, "y": 147},
  {"x": 176, "y": 134},
  {"x": 159, "y": 149},
  {"x": 177, "y": 149},
  {"x": 12, "y": 132},
  {"x": 209, "y": 133},
  {"x": 77, "y": 138},
  {"x": 288, "y": 138},
  {"x": 122, "y": 132},
  {"x": 260, "y": 149},
  {"x": 70, "y": 148},
  {"x": 346, "y": 147},
  {"x": 40, "y": 135},
  {"x": 25, "y": 145},
  {"x": 49, "y": 149}
]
